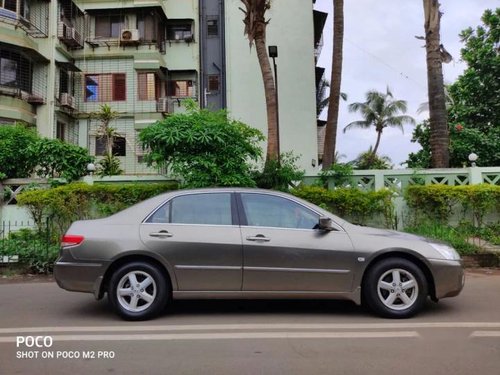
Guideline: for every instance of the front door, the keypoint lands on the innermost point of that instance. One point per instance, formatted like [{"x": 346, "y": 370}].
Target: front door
[{"x": 283, "y": 252}]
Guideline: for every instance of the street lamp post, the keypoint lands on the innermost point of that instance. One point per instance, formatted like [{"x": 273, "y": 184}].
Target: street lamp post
[{"x": 273, "y": 53}]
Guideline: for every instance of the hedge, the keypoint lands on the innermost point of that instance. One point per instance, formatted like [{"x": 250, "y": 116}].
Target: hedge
[
  {"x": 351, "y": 203},
  {"x": 77, "y": 201},
  {"x": 439, "y": 202}
]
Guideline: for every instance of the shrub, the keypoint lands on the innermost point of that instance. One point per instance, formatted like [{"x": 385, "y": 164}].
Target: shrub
[
  {"x": 35, "y": 253},
  {"x": 16, "y": 157},
  {"x": 278, "y": 175},
  {"x": 77, "y": 201},
  {"x": 351, "y": 203},
  {"x": 439, "y": 202},
  {"x": 205, "y": 148}
]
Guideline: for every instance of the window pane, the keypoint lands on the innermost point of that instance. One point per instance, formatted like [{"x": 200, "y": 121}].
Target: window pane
[
  {"x": 213, "y": 27},
  {"x": 180, "y": 88},
  {"x": 146, "y": 86},
  {"x": 105, "y": 88},
  {"x": 116, "y": 26},
  {"x": 162, "y": 215},
  {"x": 8, "y": 72},
  {"x": 92, "y": 88},
  {"x": 119, "y": 87},
  {"x": 102, "y": 28},
  {"x": 180, "y": 31},
  {"x": 214, "y": 209},
  {"x": 119, "y": 146},
  {"x": 268, "y": 211},
  {"x": 213, "y": 82}
]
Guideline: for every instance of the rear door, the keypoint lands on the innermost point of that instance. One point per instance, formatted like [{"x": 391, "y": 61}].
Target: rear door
[{"x": 199, "y": 236}]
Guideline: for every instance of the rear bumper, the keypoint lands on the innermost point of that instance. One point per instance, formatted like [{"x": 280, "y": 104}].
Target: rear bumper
[
  {"x": 77, "y": 276},
  {"x": 449, "y": 277}
]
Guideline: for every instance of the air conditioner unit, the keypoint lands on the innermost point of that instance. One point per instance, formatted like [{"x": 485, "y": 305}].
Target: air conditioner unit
[
  {"x": 73, "y": 35},
  {"x": 67, "y": 100},
  {"x": 164, "y": 105},
  {"x": 69, "y": 35},
  {"x": 129, "y": 36},
  {"x": 188, "y": 37}
]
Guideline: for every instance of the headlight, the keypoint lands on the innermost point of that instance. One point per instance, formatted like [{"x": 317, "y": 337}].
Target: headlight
[{"x": 446, "y": 251}]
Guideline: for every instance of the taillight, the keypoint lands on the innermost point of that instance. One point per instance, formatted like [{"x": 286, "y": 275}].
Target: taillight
[{"x": 71, "y": 240}]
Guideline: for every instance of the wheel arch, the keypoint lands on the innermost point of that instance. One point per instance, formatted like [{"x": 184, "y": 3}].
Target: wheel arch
[
  {"x": 117, "y": 263},
  {"x": 400, "y": 253}
]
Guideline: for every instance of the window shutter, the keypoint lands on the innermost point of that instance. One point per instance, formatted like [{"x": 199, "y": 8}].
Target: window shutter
[{"x": 119, "y": 87}]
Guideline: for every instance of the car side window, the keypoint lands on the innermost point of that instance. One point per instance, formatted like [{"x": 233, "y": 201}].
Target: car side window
[
  {"x": 213, "y": 209},
  {"x": 161, "y": 215},
  {"x": 264, "y": 210}
]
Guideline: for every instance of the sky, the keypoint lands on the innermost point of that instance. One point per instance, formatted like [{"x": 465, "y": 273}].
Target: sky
[{"x": 380, "y": 50}]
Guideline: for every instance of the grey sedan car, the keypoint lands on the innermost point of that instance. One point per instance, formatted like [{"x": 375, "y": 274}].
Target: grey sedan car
[{"x": 250, "y": 243}]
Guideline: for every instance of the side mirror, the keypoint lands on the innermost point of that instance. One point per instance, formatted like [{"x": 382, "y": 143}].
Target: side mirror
[{"x": 325, "y": 223}]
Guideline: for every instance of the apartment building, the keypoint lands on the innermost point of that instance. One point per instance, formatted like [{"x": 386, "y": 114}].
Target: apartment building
[{"x": 60, "y": 60}]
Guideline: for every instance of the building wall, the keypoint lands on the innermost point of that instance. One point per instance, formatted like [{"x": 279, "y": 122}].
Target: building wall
[{"x": 291, "y": 29}]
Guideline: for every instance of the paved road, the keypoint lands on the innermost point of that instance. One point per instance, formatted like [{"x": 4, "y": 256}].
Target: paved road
[{"x": 456, "y": 336}]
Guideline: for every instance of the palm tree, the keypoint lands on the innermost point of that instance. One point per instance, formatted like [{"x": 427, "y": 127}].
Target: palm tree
[
  {"x": 381, "y": 111},
  {"x": 255, "y": 30},
  {"x": 333, "y": 106},
  {"x": 322, "y": 99},
  {"x": 110, "y": 164},
  {"x": 440, "y": 138}
]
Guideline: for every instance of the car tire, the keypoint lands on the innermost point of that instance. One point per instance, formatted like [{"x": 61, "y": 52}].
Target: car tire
[
  {"x": 395, "y": 288},
  {"x": 138, "y": 291}
]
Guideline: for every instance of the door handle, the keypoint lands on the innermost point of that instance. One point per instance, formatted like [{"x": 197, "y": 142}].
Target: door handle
[
  {"x": 258, "y": 238},
  {"x": 161, "y": 234}
]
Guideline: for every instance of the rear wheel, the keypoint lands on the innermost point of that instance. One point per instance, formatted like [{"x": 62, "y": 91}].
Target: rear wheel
[
  {"x": 395, "y": 288},
  {"x": 138, "y": 291}
]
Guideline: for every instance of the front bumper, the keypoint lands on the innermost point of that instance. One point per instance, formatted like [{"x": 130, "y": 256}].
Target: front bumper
[{"x": 449, "y": 277}]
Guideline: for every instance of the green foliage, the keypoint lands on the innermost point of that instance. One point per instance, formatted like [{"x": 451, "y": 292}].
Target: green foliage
[
  {"x": 439, "y": 202},
  {"x": 443, "y": 232},
  {"x": 16, "y": 157},
  {"x": 350, "y": 203},
  {"x": 474, "y": 109},
  {"x": 56, "y": 158},
  {"x": 369, "y": 160},
  {"x": 23, "y": 152},
  {"x": 475, "y": 93},
  {"x": 339, "y": 174},
  {"x": 463, "y": 141},
  {"x": 33, "y": 250},
  {"x": 278, "y": 175},
  {"x": 78, "y": 201},
  {"x": 205, "y": 148},
  {"x": 109, "y": 165}
]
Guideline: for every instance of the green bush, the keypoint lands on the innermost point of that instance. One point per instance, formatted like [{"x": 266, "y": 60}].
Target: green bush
[
  {"x": 456, "y": 237},
  {"x": 35, "y": 253},
  {"x": 278, "y": 175},
  {"x": 205, "y": 148},
  {"x": 78, "y": 201},
  {"x": 439, "y": 202},
  {"x": 351, "y": 203}
]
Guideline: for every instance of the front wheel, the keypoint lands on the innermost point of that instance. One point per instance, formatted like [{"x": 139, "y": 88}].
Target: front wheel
[
  {"x": 138, "y": 291},
  {"x": 395, "y": 288}
]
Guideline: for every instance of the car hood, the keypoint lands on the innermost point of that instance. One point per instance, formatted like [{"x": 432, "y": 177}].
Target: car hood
[{"x": 370, "y": 231}]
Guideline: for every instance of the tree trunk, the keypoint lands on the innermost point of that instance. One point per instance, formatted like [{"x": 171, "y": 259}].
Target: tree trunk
[
  {"x": 439, "y": 140},
  {"x": 336, "y": 78},
  {"x": 377, "y": 143},
  {"x": 270, "y": 93}
]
